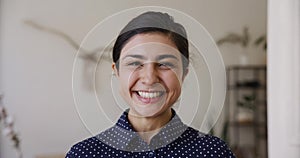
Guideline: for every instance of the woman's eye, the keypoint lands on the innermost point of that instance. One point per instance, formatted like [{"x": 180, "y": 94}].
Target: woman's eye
[
  {"x": 166, "y": 65},
  {"x": 136, "y": 63}
]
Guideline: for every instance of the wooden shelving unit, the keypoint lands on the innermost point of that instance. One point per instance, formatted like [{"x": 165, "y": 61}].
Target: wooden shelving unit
[{"x": 246, "y": 111}]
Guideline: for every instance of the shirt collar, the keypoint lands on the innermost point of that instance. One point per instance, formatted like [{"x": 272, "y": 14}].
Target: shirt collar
[{"x": 122, "y": 136}]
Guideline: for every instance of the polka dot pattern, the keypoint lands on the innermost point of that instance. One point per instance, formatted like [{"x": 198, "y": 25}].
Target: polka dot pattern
[{"x": 175, "y": 140}]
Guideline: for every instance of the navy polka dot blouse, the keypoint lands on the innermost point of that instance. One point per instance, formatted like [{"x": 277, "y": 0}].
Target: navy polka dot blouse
[{"x": 175, "y": 140}]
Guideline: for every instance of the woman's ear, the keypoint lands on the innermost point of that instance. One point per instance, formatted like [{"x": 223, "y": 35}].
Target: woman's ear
[{"x": 114, "y": 69}]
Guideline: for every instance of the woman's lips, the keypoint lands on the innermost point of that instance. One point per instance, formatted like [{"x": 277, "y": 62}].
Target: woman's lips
[{"x": 148, "y": 97}]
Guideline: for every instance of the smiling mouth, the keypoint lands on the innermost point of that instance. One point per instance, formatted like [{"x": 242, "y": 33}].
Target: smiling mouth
[{"x": 149, "y": 95}]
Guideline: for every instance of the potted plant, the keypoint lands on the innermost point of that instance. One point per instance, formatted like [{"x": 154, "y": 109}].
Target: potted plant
[
  {"x": 243, "y": 39},
  {"x": 246, "y": 109}
]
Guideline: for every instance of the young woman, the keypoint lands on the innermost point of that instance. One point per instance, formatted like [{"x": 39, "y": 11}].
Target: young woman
[{"x": 150, "y": 61}]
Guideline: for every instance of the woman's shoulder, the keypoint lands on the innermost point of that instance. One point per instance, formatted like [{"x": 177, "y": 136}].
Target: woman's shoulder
[
  {"x": 90, "y": 143},
  {"x": 205, "y": 143},
  {"x": 85, "y": 144},
  {"x": 202, "y": 138},
  {"x": 88, "y": 146}
]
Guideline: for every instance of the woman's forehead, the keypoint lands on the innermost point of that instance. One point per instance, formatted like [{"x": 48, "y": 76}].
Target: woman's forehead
[{"x": 150, "y": 45}]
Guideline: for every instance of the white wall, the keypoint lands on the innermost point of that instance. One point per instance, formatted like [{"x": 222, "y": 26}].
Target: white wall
[
  {"x": 36, "y": 67},
  {"x": 284, "y": 78}
]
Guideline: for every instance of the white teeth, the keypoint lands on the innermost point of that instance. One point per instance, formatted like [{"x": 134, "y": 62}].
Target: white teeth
[{"x": 149, "y": 94}]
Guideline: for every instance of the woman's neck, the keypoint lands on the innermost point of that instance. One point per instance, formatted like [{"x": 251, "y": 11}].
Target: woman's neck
[{"x": 147, "y": 127}]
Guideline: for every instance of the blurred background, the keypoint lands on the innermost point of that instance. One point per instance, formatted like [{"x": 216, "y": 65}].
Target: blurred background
[{"x": 37, "y": 55}]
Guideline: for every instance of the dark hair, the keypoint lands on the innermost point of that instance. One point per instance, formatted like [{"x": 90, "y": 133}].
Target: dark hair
[{"x": 154, "y": 22}]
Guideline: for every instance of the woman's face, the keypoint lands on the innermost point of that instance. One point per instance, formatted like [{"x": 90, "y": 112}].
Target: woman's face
[{"x": 150, "y": 74}]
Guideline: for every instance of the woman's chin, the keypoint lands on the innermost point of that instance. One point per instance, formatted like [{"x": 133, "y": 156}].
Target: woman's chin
[{"x": 146, "y": 111}]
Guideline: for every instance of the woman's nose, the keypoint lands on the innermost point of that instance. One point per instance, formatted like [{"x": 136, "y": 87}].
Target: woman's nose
[{"x": 149, "y": 74}]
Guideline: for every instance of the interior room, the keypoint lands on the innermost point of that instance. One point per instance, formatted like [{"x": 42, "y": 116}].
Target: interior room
[{"x": 40, "y": 41}]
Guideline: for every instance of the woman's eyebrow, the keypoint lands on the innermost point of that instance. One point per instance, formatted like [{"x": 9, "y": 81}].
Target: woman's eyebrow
[
  {"x": 161, "y": 57},
  {"x": 134, "y": 56}
]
